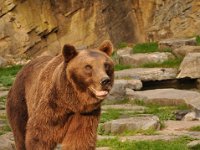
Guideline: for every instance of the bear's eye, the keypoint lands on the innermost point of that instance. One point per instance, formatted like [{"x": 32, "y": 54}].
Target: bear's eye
[
  {"x": 107, "y": 66},
  {"x": 88, "y": 68}
]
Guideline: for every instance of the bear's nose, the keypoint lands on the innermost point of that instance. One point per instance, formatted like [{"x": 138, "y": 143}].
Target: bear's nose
[{"x": 105, "y": 81}]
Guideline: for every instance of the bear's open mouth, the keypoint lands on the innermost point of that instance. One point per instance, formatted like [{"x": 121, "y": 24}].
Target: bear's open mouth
[{"x": 99, "y": 94}]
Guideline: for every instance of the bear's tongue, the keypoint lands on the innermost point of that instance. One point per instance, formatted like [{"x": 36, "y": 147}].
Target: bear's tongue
[{"x": 101, "y": 93}]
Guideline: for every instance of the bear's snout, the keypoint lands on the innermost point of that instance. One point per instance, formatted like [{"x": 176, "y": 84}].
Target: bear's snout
[{"x": 105, "y": 81}]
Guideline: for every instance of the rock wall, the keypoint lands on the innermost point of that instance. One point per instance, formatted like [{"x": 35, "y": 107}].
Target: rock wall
[
  {"x": 34, "y": 26},
  {"x": 39, "y": 27}
]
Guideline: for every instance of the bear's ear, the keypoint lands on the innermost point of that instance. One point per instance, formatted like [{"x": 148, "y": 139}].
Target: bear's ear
[
  {"x": 69, "y": 52},
  {"x": 106, "y": 47}
]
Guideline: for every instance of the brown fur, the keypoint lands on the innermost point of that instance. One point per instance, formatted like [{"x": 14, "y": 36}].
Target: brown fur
[{"x": 50, "y": 101}]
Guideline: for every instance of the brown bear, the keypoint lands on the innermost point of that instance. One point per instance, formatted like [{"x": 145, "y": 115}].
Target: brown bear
[{"x": 58, "y": 99}]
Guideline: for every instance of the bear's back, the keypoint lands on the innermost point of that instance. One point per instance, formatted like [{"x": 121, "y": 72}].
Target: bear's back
[{"x": 32, "y": 79}]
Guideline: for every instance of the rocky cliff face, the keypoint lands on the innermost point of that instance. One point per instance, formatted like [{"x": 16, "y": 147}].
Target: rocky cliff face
[
  {"x": 175, "y": 18},
  {"x": 36, "y": 27}
]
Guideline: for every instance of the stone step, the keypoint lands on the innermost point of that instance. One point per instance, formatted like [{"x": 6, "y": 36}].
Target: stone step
[
  {"x": 128, "y": 107},
  {"x": 175, "y": 42},
  {"x": 147, "y": 74}
]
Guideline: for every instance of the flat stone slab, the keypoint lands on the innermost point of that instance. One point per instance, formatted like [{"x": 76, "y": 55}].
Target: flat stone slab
[
  {"x": 172, "y": 126},
  {"x": 147, "y": 74},
  {"x": 141, "y": 137},
  {"x": 132, "y": 123},
  {"x": 3, "y": 93},
  {"x": 190, "y": 66},
  {"x": 159, "y": 136},
  {"x": 168, "y": 97},
  {"x": 7, "y": 142},
  {"x": 144, "y": 58},
  {"x": 148, "y": 138},
  {"x": 175, "y": 43},
  {"x": 124, "y": 107},
  {"x": 193, "y": 144},
  {"x": 184, "y": 50},
  {"x": 103, "y": 148}
]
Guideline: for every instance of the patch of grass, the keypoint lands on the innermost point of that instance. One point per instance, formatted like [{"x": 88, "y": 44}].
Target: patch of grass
[
  {"x": 121, "y": 67},
  {"x": 4, "y": 129},
  {"x": 195, "y": 128},
  {"x": 8, "y": 74},
  {"x": 115, "y": 144},
  {"x": 122, "y": 45},
  {"x": 171, "y": 63},
  {"x": 6, "y": 80},
  {"x": 198, "y": 40},
  {"x": 196, "y": 147},
  {"x": 115, "y": 102},
  {"x": 110, "y": 114},
  {"x": 3, "y": 99},
  {"x": 10, "y": 71},
  {"x": 163, "y": 112},
  {"x": 145, "y": 47}
]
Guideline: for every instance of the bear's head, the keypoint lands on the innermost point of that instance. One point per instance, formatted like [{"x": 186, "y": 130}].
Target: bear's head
[{"x": 90, "y": 72}]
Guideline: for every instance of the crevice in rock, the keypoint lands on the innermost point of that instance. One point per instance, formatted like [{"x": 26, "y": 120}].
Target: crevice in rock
[{"x": 183, "y": 84}]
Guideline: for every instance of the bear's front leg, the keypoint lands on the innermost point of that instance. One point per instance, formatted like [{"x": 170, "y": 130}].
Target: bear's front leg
[
  {"x": 35, "y": 140},
  {"x": 82, "y": 132},
  {"x": 38, "y": 135}
]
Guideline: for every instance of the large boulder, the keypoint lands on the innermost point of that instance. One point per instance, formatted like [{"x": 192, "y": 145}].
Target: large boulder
[
  {"x": 184, "y": 50},
  {"x": 144, "y": 58},
  {"x": 190, "y": 66},
  {"x": 131, "y": 124},
  {"x": 119, "y": 88},
  {"x": 147, "y": 74}
]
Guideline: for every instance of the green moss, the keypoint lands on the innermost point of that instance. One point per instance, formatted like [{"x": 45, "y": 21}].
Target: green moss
[
  {"x": 121, "y": 67},
  {"x": 10, "y": 71},
  {"x": 195, "y": 128},
  {"x": 198, "y": 40},
  {"x": 122, "y": 45},
  {"x": 143, "y": 132},
  {"x": 163, "y": 112},
  {"x": 145, "y": 47},
  {"x": 171, "y": 63},
  {"x": 110, "y": 114},
  {"x": 4, "y": 129},
  {"x": 8, "y": 74}
]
